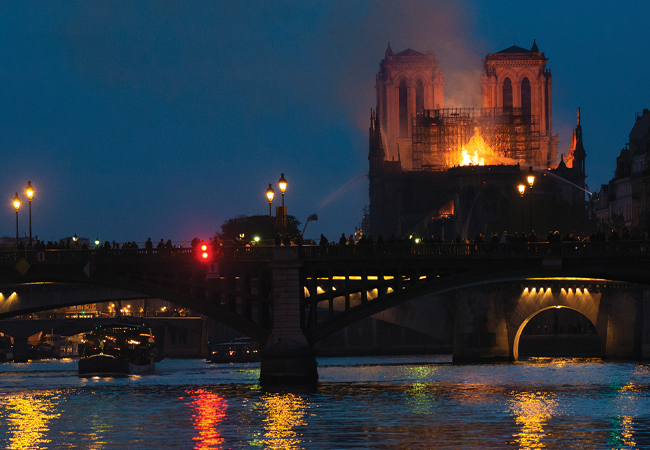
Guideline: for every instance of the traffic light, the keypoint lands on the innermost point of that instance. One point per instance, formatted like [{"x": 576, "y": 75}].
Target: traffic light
[{"x": 205, "y": 252}]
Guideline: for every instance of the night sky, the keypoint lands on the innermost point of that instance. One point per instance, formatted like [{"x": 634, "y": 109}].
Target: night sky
[{"x": 163, "y": 119}]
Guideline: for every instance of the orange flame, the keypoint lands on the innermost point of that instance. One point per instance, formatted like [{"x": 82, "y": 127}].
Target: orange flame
[{"x": 476, "y": 152}]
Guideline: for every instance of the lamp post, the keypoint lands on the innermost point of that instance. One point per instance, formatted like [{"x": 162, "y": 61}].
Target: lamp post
[
  {"x": 522, "y": 188},
  {"x": 531, "y": 180},
  {"x": 16, "y": 205},
  {"x": 269, "y": 194},
  {"x": 75, "y": 238},
  {"x": 283, "y": 186},
  {"x": 29, "y": 191},
  {"x": 96, "y": 243}
]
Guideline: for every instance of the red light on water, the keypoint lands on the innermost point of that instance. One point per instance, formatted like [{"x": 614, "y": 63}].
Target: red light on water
[{"x": 209, "y": 410}]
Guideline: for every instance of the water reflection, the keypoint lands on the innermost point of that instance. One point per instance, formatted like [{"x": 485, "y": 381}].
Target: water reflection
[
  {"x": 532, "y": 410},
  {"x": 209, "y": 412},
  {"x": 284, "y": 413},
  {"x": 420, "y": 398},
  {"x": 28, "y": 416},
  {"x": 622, "y": 433}
]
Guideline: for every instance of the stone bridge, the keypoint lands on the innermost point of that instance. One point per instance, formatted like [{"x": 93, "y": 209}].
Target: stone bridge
[{"x": 302, "y": 294}]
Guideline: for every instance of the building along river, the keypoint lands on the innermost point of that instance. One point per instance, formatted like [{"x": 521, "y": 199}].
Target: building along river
[{"x": 360, "y": 402}]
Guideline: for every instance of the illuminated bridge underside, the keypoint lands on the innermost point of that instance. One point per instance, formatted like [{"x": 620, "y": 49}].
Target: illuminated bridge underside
[{"x": 340, "y": 300}]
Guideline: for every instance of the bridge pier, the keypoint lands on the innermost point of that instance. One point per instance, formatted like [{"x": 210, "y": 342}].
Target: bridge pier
[
  {"x": 21, "y": 349},
  {"x": 480, "y": 331},
  {"x": 288, "y": 357}
]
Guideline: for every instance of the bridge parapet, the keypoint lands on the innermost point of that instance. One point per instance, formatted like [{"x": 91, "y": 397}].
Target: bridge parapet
[{"x": 523, "y": 250}]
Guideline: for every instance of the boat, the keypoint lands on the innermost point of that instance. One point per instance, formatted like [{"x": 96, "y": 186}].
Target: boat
[
  {"x": 117, "y": 349},
  {"x": 6, "y": 349},
  {"x": 237, "y": 350}
]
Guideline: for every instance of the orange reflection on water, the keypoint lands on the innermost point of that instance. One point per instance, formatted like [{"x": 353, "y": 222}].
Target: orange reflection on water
[
  {"x": 532, "y": 410},
  {"x": 209, "y": 412},
  {"x": 285, "y": 412},
  {"x": 624, "y": 435},
  {"x": 28, "y": 416}
]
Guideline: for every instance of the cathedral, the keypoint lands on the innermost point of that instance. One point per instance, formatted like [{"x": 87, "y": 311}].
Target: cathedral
[{"x": 436, "y": 170}]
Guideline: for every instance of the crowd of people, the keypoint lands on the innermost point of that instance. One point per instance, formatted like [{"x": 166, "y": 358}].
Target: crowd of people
[
  {"x": 285, "y": 239},
  {"x": 491, "y": 238}
]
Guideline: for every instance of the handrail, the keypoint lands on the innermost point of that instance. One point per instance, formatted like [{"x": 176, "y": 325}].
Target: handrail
[{"x": 526, "y": 250}]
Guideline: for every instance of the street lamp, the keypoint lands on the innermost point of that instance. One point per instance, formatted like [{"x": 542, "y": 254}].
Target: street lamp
[
  {"x": 283, "y": 186},
  {"x": 16, "y": 205},
  {"x": 531, "y": 179},
  {"x": 29, "y": 190},
  {"x": 97, "y": 243},
  {"x": 269, "y": 194},
  {"x": 522, "y": 188},
  {"x": 75, "y": 237}
]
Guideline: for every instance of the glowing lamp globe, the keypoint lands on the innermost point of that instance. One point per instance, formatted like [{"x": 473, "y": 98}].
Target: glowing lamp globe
[
  {"x": 531, "y": 177},
  {"x": 29, "y": 190}
]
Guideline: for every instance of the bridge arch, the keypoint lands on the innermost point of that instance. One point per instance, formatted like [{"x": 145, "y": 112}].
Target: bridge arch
[
  {"x": 515, "y": 345},
  {"x": 533, "y": 301}
]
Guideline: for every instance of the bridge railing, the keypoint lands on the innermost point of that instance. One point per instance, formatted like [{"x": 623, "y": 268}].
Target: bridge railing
[
  {"x": 506, "y": 250},
  {"x": 316, "y": 252},
  {"x": 98, "y": 255}
]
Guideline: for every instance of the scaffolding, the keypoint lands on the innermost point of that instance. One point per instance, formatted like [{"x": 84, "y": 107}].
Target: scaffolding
[{"x": 438, "y": 136}]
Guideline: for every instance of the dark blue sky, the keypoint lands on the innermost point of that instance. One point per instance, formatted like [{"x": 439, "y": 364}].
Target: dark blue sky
[{"x": 163, "y": 119}]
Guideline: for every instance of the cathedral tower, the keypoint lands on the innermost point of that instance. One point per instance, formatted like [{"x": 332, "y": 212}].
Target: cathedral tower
[
  {"x": 516, "y": 80},
  {"x": 408, "y": 83}
]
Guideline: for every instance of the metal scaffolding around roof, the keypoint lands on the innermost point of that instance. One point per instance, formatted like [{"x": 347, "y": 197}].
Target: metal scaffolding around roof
[{"x": 439, "y": 135}]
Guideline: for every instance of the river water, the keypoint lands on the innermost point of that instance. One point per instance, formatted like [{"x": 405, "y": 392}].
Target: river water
[{"x": 370, "y": 402}]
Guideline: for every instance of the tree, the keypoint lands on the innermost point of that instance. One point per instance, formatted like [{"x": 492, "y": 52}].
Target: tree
[{"x": 262, "y": 226}]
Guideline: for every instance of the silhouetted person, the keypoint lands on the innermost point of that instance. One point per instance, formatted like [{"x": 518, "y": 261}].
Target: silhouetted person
[
  {"x": 287, "y": 240},
  {"x": 278, "y": 239},
  {"x": 148, "y": 245},
  {"x": 343, "y": 240},
  {"x": 169, "y": 245},
  {"x": 161, "y": 244}
]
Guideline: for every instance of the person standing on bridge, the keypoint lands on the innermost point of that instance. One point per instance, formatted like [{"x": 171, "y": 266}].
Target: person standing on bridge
[{"x": 148, "y": 245}]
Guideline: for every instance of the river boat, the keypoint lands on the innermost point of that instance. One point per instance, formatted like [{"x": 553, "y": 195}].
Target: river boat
[
  {"x": 117, "y": 350},
  {"x": 237, "y": 350},
  {"x": 6, "y": 349}
]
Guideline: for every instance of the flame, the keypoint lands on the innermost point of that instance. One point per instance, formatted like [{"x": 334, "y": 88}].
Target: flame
[{"x": 477, "y": 152}]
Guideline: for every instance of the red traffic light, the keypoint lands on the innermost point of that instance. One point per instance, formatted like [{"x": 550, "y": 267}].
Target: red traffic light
[{"x": 205, "y": 252}]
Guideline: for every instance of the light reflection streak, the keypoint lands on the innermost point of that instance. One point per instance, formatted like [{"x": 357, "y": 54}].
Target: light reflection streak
[
  {"x": 532, "y": 410},
  {"x": 622, "y": 433},
  {"x": 28, "y": 416},
  {"x": 209, "y": 412},
  {"x": 284, "y": 412},
  {"x": 421, "y": 400}
]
